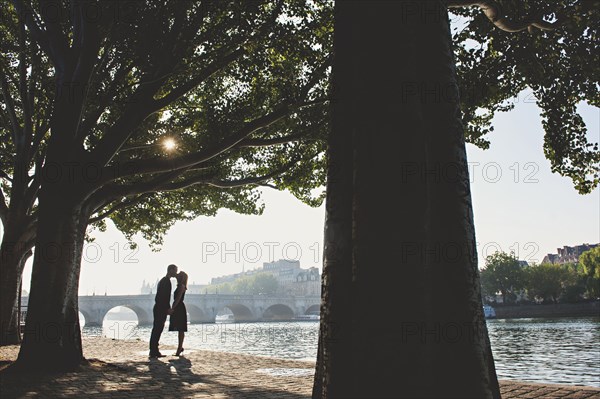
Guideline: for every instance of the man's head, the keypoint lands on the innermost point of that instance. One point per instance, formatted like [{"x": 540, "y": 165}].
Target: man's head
[{"x": 171, "y": 270}]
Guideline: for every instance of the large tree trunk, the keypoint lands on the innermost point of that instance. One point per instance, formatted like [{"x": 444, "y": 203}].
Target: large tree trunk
[
  {"x": 402, "y": 310},
  {"x": 333, "y": 357},
  {"x": 13, "y": 255},
  {"x": 15, "y": 249},
  {"x": 52, "y": 335}
]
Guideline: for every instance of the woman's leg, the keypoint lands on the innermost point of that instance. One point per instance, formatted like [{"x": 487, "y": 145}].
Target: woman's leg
[{"x": 181, "y": 337}]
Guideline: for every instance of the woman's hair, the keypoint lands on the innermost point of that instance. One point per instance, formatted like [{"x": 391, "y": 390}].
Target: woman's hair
[{"x": 182, "y": 278}]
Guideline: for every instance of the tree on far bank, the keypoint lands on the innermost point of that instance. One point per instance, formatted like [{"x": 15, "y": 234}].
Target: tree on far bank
[
  {"x": 260, "y": 283},
  {"x": 234, "y": 91},
  {"x": 255, "y": 284},
  {"x": 574, "y": 283},
  {"x": 546, "y": 281},
  {"x": 502, "y": 273},
  {"x": 590, "y": 261},
  {"x": 557, "y": 282},
  {"x": 264, "y": 283}
]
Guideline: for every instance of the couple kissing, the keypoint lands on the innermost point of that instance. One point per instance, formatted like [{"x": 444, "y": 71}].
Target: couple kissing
[{"x": 162, "y": 308}]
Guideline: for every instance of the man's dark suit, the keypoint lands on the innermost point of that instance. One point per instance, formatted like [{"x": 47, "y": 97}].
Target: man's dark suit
[{"x": 161, "y": 306}]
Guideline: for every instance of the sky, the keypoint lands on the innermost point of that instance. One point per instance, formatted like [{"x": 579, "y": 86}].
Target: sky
[{"x": 519, "y": 205}]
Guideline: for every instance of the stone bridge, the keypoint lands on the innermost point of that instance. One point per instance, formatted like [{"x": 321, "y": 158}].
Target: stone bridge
[{"x": 202, "y": 308}]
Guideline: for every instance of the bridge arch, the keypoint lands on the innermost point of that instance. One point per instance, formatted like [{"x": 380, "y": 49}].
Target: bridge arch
[
  {"x": 240, "y": 312},
  {"x": 92, "y": 317},
  {"x": 278, "y": 312},
  {"x": 313, "y": 309},
  {"x": 83, "y": 318},
  {"x": 143, "y": 316},
  {"x": 198, "y": 315}
]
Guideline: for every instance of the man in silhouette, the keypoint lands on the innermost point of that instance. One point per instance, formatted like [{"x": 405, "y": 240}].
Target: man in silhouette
[{"x": 161, "y": 307}]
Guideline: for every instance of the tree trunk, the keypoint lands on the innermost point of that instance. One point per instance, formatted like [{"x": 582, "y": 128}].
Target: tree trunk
[
  {"x": 402, "y": 310},
  {"x": 333, "y": 358},
  {"x": 52, "y": 336},
  {"x": 15, "y": 249},
  {"x": 13, "y": 255}
]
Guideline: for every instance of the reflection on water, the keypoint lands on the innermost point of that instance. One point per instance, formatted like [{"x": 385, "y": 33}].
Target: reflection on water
[{"x": 562, "y": 351}]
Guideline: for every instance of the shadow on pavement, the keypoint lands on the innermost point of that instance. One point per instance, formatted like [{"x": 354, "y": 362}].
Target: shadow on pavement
[{"x": 152, "y": 378}]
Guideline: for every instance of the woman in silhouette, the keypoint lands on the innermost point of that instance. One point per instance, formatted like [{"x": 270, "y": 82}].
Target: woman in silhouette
[{"x": 178, "y": 321}]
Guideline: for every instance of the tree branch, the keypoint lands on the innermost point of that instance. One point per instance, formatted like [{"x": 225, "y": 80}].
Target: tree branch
[
  {"x": 3, "y": 209},
  {"x": 4, "y": 175},
  {"x": 86, "y": 45},
  {"x": 10, "y": 106},
  {"x": 32, "y": 191},
  {"x": 38, "y": 34},
  {"x": 104, "y": 101},
  {"x": 180, "y": 91},
  {"x": 316, "y": 76},
  {"x": 492, "y": 11},
  {"x": 30, "y": 231},
  {"x": 120, "y": 133},
  {"x": 165, "y": 164},
  {"x": 237, "y": 183},
  {"x": 124, "y": 127},
  {"x": 120, "y": 205},
  {"x": 253, "y": 180},
  {"x": 269, "y": 142},
  {"x": 23, "y": 92},
  {"x": 268, "y": 186},
  {"x": 203, "y": 179},
  {"x": 113, "y": 192},
  {"x": 155, "y": 165},
  {"x": 35, "y": 77},
  {"x": 165, "y": 183},
  {"x": 185, "y": 183},
  {"x": 57, "y": 42},
  {"x": 240, "y": 182},
  {"x": 40, "y": 132}
]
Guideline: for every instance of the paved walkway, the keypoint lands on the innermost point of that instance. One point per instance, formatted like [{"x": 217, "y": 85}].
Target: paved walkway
[{"x": 122, "y": 370}]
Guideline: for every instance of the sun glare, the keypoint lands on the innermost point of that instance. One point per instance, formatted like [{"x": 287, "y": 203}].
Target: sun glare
[{"x": 169, "y": 144}]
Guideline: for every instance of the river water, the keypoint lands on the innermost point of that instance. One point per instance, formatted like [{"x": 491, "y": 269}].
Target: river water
[{"x": 561, "y": 351}]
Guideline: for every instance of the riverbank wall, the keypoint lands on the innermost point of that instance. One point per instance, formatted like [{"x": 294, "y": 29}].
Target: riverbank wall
[{"x": 591, "y": 309}]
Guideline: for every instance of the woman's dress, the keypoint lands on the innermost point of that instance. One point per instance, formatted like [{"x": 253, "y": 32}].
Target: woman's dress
[{"x": 178, "y": 320}]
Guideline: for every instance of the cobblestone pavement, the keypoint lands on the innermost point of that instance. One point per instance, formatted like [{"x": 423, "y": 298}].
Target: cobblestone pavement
[{"x": 121, "y": 369}]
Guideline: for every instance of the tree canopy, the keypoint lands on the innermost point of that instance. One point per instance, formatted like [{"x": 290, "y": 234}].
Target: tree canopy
[
  {"x": 241, "y": 85},
  {"x": 590, "y": 263},
  {"x": 233, "y": 60},
  {"x": 502, "y": 273},
  {"x": 494, "y": 67},
  {"x": 547, "y": 47},
  {"x": 590, "y": 260},
  {"x": 546, "y": 281}
]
